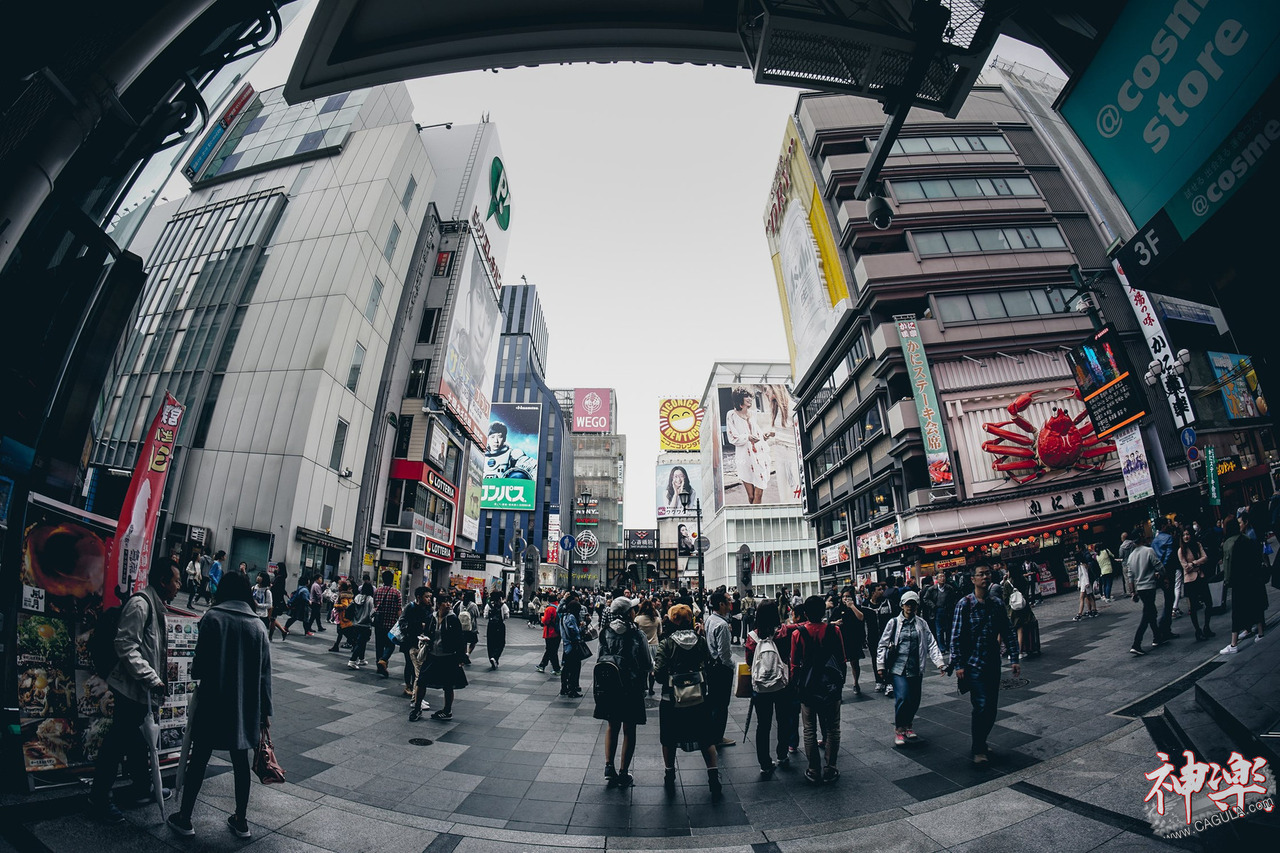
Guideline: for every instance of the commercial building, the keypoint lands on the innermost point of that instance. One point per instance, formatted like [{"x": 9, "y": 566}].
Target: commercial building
[
  {"x": 751, "y": 488},
  {"x": 599, "y": 470},
  {"x": 917, "y": 344}
]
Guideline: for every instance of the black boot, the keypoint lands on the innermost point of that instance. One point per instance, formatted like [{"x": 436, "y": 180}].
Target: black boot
[{"x": 713, "y": 782}]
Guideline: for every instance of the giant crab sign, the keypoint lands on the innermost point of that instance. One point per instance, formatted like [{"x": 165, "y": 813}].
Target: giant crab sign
[{"x": 1062, "y": 442}]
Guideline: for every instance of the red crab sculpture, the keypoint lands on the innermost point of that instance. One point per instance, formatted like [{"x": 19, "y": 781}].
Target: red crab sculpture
[{"x": 1063, "y": 442}]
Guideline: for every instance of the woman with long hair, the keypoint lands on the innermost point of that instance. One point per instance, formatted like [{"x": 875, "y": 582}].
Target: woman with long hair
[
  {"x": 1195, "y": 583},
  {"x": 496, "y": 613},
  {"x": 752, "y": 456},
  {"x": 677, "y": 483},
  {"x": 361, "y": 624}
]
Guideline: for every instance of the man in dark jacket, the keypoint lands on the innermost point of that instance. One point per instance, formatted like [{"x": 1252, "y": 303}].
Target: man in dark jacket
[
  {"x": 947, "y": 596},
  {"x": 416, "y": 616},
  {"x": 980, "y": 624}
]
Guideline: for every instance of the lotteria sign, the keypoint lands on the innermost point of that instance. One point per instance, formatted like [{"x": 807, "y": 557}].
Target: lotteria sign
[
  {"x": 1178, "y": 106},
  {"x": 591, "y": 407}
]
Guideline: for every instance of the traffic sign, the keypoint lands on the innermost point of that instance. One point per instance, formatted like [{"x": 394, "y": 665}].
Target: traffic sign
[
  {"x": 1188, "y": 437},
  {"x": 1193, "y": 453},
  {"x": 568, "y": 543}
]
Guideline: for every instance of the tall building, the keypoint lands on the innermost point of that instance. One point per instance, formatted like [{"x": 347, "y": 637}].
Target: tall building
[
  {"x": 275, "y": 302},
  {"x": 528, "y": 469},
  {"x": 751, "y": 490},
  {"x": 599, "y": 470},
  {"x": 918, "y": 347}
]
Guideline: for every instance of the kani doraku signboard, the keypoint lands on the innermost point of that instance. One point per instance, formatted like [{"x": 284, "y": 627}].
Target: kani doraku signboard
[{"x": 937, "y": 455}]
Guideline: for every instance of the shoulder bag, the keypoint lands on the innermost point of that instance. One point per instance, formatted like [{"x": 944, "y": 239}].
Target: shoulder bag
[{"x": 266, "y": 767}]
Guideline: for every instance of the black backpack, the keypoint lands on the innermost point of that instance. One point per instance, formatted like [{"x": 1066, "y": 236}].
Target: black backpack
[
  {"x": 822, "y": 677},
  {"x": 102, "y": 642},
  {"x": 606, "y": 677}
]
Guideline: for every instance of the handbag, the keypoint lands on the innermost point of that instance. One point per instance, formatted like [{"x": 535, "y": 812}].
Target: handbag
[
  {"x": 743, "y": 688},
  {"x": 265, "y": 765},
  {"x": 688, "y": 689}
]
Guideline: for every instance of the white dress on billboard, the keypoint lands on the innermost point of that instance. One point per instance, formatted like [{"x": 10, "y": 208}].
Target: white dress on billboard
[
  {"x": 754, "y": 461},
  {"x": 784, "y": 450}
]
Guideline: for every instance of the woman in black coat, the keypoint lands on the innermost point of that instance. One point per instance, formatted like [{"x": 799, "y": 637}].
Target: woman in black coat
[
  {"x": 443, "y": 667},
  {"x": 233, "y": 665},
  {"x": 496, "y": 613}
]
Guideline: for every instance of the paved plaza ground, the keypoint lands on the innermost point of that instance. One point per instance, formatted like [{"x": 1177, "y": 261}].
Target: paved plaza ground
[{"x": 520, "y": 769}]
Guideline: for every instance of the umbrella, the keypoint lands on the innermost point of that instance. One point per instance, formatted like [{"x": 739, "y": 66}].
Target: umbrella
[
  {"x": 186, "y": 745},
  {"x": 151, "y": 733},
  {"x": 751, "y": 707}
]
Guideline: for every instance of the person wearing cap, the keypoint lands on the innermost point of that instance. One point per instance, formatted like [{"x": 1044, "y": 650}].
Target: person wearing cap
[
  {"x": 621, "y": 703},
  {"x": 905, "y": 643}
]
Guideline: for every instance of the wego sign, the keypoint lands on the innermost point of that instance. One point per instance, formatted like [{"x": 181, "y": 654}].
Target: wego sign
[{"x": 591, "y": 409}]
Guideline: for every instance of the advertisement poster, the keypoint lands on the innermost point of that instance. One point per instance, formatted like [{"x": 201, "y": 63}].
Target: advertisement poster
[
  {"x": 553, "y": 537},
  {"x": 879, "y": 540},
  {"x": 475, "y": 486},
  {"x": 64, "y": 708},
  {"x": 591, "y": 408},
  {"x": 511, "y": 457},
  {"x": 437, "y": 444},
  {"x": 1110, "y": 390},
  {"x": 1133, "y": 463},
  {"x": 686, "y": 540},
  {"x": 136, "y": 529},
  {"x": 833, "y": 555},
  {"x": 670, "y": 481},
  {"x": 471, "y": 352},
  {"x": 1237, "y": 395},
  {"x": 755, "y": 433},
  {"x": 806, "y": 261},
  {"x": 183, "y": 633},
  {"x": 937, "y": 456},
  {"x": 1175, "y": 390},
  {"x": 679, "y": 422}
]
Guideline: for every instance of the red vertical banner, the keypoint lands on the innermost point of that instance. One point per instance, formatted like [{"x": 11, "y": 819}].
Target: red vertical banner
[{"x": 131, "y": 548}]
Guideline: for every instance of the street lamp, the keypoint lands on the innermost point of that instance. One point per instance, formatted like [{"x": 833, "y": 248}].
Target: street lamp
[
  {"x": 584, "y": 501},
  {"x": 685, "y": 496},
  {"x": 1179, "y": 367}
]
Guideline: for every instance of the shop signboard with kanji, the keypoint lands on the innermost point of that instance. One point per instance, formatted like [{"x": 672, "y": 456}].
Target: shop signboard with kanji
[
  {"x": 1175, "y": 390},
  {"x": 1107, "y": 385},
  {"x": 937, "y": 455}
]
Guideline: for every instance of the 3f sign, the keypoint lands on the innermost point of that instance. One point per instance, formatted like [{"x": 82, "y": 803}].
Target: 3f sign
[{"x": 1147, "y": 247}]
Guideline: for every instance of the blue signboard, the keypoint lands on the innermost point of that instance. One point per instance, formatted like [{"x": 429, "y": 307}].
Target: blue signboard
[
  {"x": 568, "y": 543},
  {"x": 1188, "y": 437},
  {"x": 1168, "y": 87},
  {"x": 197, "y": 161}
]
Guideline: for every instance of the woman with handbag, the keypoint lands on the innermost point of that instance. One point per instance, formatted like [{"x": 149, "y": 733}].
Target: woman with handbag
[
  {"x": 1084, "y": 580},
  {"x": 1195, "y": 583},
  {"x": 576, "y": 649},
  {"x": 443, "y": 667},
  {"x": 684, "y": 715},
  {"x": 233, "y": 665}
]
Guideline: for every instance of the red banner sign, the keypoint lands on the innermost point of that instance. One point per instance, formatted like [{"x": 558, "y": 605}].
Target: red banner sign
[{"x": 131, "y": 548}]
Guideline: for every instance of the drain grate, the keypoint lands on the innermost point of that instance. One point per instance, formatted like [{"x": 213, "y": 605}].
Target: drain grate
[{"x": 420, "y": 741}]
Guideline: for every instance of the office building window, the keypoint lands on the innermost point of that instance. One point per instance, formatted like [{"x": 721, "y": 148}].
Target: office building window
[
  {"x": 946, "y": 144},
  {"x": 357, "y": 362},
  {"x": 409, "y": 190},
  {"x": 375, "y": 297},
  {"x": 963, "y": 188},
  {"x": 339, "y": 444},
  {"x": 427, "y": 331},
  {"x": 419, "y": 368},
  {"x": 998, "y": 305},
  {"x": 403, "y": 433},
  {"x": 389, "y": 250},
  {"x": 968, "y": 241}
]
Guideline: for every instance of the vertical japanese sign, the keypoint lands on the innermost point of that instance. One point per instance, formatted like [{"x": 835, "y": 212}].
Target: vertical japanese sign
[
  {"x": 1175, "y": 390},
  {"x": 1211, "y": 473},
  {"x": 136, "y": 529},
  {"x": 1133, "y": 463},
  {"x": 935, "y": 442}
]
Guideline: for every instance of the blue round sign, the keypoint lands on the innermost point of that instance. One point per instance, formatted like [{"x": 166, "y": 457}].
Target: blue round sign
[
  {"x": 1188, "y": 437},
  {"x": 1193, "y": 453},
  {"x": 568, "y": 543}
]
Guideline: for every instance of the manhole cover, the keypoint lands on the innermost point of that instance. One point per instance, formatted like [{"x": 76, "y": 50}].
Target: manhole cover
[
  {"x": 1013, "y": 683},
  {"x": 420, "y": 741}
]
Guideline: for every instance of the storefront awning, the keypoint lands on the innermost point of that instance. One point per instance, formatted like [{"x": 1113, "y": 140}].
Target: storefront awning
[{"x": 1002, "y": 533}]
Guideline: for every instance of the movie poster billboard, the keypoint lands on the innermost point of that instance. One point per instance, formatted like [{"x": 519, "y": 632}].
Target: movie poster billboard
[
  {"x": 679, "y": 423},
  {"x": 471, "y": 347},
  {"x": 670, "y": 481},
  {"x": 136, "y": 529},
  {"x": 756, "y": 437},
  {"x": 511, "y": 457},
  {"x": 806, "y": 260},
  {"x": 1133, "y": 463},
  {"x": 1237, "y": 397},
  {"x": 686, "y": 540},
  {"x": 591, "y": 408}
]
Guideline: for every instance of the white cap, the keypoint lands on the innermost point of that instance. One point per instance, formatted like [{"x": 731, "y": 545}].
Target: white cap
[
  {"x": 622, "y": 604},
  {"x": 909, "y": 596}
]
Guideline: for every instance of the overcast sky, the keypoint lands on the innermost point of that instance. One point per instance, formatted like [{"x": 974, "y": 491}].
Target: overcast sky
[{"x": 637, "y": 196}]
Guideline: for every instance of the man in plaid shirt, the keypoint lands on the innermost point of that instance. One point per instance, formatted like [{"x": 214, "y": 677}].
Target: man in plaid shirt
[
  {"x": 386, "y": 612},
  {"x": 979, "y": 624}
]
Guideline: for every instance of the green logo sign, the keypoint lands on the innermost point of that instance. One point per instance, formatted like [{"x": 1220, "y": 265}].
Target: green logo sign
[
  {"x": 1211, "y": 470},
  {"x": 507, "y": 493},
  {"x": 499, "y": 195}
]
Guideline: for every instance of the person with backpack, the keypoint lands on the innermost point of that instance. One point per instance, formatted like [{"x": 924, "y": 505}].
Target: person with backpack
[
  {"x": 194, "y": 575},
  {"x": 215, "y": 576},
  {"x": 232, "y": 662},
  {"x": 316, "y": 601},
  {"x": 345, "y": 597},
  {"x": 496, "y": 613},
  {"x": 138, "y": 686},
  {"x": 684, "y": 716},
  {"x": 469, "y": 617},
  {"x": 900, "y": 655},
  {"x": 1106, "y": 569},
  {"x": 360, "y": 611},
  {"x": 878, "y": 611},
  {"x": 576, "y": 649},
  {"x": 817, "y": 668},
  {"x": 979, "y": 625},
  {"x": 769, "y": 654},
  {"x": 300, "y": 606},
  {"x": 620, "y": 677},
  {"x": 442, "y": 668},
  {"x": 264, "y": 605},
  {"x": 551, "y": 637},
  {"x": 387, "y": 607}
]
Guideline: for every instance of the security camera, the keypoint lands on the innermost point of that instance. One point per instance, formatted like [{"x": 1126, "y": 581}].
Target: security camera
[
  {"x": 1083, "y": 306},
  {"x": 879, "y": 213},
  {"x": 448, "y": 125},
  {"x": 346, "y": 474}
]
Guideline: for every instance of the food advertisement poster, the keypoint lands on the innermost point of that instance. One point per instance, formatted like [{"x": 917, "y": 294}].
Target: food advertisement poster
[{"x": 183, "y": 633}]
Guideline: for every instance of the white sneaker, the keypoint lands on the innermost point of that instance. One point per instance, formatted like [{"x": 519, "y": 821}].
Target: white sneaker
[
  {"x": 1229, "y": 650},
  {"x": 362, "y": 662},
  {"x": 1258, "y": 639},
  {"x": 352, "y": 665}
]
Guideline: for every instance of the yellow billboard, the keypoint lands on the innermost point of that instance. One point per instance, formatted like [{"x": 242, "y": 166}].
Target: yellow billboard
[
  {"x": 678, "y": 423},
  {"x": 806, "y": 261}
]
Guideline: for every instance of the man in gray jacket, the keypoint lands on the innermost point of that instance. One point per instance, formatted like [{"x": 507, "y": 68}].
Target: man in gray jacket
[
  {"x": 720, "y": 680},
  {"x": 137, "y": 684},
  {"x": 1144, "y": 569}
]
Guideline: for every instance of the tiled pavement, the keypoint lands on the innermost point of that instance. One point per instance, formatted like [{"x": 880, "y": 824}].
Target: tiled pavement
[{"x": 519, "y": 768}]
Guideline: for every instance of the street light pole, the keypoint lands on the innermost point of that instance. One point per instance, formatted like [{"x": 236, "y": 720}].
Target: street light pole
[{"x": 685, "y": 496}]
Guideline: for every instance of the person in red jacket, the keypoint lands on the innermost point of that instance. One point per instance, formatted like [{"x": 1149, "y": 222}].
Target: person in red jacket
[
  {"x": 551, "y": 635},
  {"x": 812, "y": 645}
]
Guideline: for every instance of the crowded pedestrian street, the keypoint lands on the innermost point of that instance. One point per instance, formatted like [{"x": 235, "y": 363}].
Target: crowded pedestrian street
[{"x": 520, "y": 769}]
